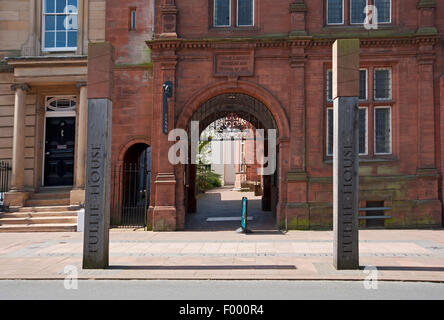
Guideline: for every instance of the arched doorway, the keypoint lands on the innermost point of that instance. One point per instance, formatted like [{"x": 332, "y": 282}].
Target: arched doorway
[
  {"x": 220, "y": 208},
  {"x": 131, "y": 183}
]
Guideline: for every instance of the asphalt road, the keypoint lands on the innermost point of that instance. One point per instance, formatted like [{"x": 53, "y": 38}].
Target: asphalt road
[{"x": 217, "y": 290}]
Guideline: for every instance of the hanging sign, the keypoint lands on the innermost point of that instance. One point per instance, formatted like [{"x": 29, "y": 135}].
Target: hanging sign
[{"x": 167, "y": 92}]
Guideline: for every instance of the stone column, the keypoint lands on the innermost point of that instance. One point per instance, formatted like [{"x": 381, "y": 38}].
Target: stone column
[
  {"x": 18, "y": 195},
  {"x": 78, "y": 193},
  {"x": 164, "y": 211},
  {"x": 426, "y": 110},
  {"x": 345, "y": 153}
]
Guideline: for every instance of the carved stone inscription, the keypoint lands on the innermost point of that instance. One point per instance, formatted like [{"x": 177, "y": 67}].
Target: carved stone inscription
[
  {"x": 345, "y": 183},
  {"x": 234, "y": 64},
  {"x": 96, "y": 234}
]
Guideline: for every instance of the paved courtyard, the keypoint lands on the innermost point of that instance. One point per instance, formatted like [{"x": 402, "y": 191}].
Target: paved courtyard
[
  {"x": 223, "y": 203},
  {"x": 399, "y": 255}
]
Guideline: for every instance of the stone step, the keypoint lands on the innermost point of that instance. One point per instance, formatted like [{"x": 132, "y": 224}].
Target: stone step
[
  {"x": 47, "y": 202},
  {"x": 34, "y": 214},
  {"x": 39, "y": 228},
  {"x": 49, "y": 195},
  {"x": 40, "y": 209},
  {"x": 39, "y": 220}
]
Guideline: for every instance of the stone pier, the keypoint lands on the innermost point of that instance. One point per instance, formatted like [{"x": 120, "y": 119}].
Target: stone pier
[{"x": 346, "y": 153}]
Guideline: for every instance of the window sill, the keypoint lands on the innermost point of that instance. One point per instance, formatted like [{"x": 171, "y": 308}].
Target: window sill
[
  {"x": 368, "y": 160},
  {"x": 228, "y": 30}
]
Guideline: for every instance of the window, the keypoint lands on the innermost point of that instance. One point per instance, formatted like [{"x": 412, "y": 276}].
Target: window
[
  {"x": 329, "y": 85},
  {"x": 357, "y": 11},
  {"x": 375, "y": 112},
  {"x": 383, "y": 84},
  {"x": 335, "y": 11},
  {"x": 384, "y": 10},
  {"x": 363, "y": 131},
  {"x": 363, "y": 85},
  {"x": 222, "y": 13},
  {"x": 133, "y": 16},
  {"x": 59, "y": 24},
  {"x": 245, "y": 12},
  {"x": 383, "y": 135},
  {"x": 354, "y": 12},
  {"x": 330, "y": 131}
]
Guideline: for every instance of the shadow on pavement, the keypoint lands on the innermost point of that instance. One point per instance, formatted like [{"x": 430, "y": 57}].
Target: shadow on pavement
[{"x": 216, "y": 267}]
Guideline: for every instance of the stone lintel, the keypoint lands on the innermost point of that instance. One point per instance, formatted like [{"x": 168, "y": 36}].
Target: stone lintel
[{"x": 426, "y": 4}]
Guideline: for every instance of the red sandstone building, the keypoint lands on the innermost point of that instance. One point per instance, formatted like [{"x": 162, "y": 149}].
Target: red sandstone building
[{"x": 269, "y": 61}]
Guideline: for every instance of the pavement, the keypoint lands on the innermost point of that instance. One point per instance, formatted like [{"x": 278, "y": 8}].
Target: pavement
[
  {"x": 225, "y": 291},
  {"x": 398, "y": 255}
]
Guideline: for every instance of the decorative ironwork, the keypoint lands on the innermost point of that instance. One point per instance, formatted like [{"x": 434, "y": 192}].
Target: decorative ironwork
[{"x": 235, "y": 112}]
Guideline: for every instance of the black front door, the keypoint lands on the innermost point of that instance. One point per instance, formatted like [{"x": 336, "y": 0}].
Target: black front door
[{"x": 59, "y": 151}]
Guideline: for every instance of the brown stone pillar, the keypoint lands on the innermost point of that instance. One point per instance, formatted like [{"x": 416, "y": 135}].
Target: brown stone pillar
[
  {"x": 297, "y": 209},
  {"x": 426, "y": 113},
  {"x": 164, "y": 213},
  {"x": 18, "y": 196},
  {"x": 78, "y": 193}
]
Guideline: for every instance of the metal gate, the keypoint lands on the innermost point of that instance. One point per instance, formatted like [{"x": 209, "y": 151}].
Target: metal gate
[
  {"x": 130, "y": 195},
  {"x": 5, "y": 170}
]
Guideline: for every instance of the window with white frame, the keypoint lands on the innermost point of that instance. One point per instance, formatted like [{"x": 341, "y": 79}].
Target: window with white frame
[
  {"x": 363, "y": 131},
  {"x": 222, "y": 13},
  {"x": 329, "y": 126},
  {"x": 363, "y": 85},
  {"x": 382, "y": 84},
  {"x": 245, "y": 13},
  {"x": 335, "y": 11},
  {"x": 358, "y": 11},
  {"x": 329, "y": 85},
  {"x": 60, "y": 103},
  {"x": 59, "y": 25},
  {"x": 384, "y": 10},
  {"x": 383, "y": 130}
]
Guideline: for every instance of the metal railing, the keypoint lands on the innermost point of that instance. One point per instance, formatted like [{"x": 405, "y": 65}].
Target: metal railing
[
  {"x": 375, "y": 217},
  {"x": 129, "y": 196},
  {"x": 5, "y": 175}
]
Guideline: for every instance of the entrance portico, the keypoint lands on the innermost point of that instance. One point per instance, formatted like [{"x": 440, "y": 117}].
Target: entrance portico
[{"x": 49, "y": 130}]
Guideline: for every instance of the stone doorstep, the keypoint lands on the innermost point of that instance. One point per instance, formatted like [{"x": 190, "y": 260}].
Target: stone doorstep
[
  {"x": 38, "y": 220},
  {"x": 40, "y": 209},
  {"x": 39, "y": 228}
]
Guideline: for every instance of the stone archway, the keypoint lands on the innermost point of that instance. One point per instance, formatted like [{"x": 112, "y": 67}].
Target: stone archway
[{"x": 272, "y": 116}]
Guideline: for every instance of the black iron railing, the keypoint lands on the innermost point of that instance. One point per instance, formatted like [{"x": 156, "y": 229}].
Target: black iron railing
[{"x": 5, "y": 175}]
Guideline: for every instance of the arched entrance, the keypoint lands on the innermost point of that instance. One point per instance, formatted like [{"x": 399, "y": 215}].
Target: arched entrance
[
  {"x": 242, "y": 117},
  {"x": 131, "y": 183}
]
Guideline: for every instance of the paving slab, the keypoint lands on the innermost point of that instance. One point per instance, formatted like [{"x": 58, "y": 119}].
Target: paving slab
[{"x": 406, "y": 255}]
